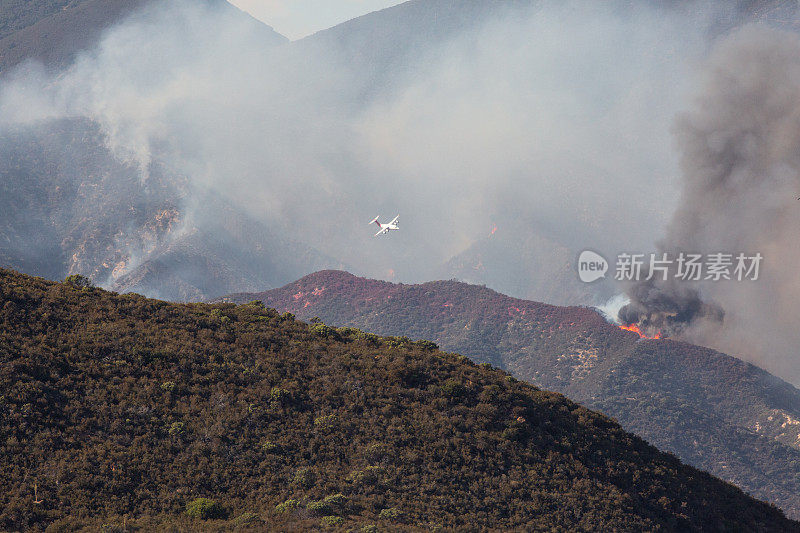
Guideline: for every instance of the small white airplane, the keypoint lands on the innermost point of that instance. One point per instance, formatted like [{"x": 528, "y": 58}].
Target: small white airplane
[{"x": 385, "y": 228}]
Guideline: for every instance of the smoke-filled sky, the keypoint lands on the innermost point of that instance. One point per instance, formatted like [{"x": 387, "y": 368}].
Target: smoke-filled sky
[
  {"x": 739, "y": 142},
  {"x": 298, "y": 18},
  {"x": 579, "y": 123},
  {"x": 566, "y": 133}
]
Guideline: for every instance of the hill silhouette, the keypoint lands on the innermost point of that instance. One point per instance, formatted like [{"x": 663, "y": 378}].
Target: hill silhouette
[{"x": 120, "y": 410}]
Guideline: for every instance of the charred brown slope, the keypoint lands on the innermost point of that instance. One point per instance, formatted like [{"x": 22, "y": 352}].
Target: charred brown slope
[
  {"x": 119, "y": 406},
  {"x": 712, "y": 410}
]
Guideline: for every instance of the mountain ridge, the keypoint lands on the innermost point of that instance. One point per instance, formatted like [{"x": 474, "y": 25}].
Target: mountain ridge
[
  {"x": 713, "y": 410},
  {"x": 119, "y": 409}
]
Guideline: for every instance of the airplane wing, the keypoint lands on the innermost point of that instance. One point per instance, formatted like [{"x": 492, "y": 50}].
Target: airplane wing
[
  {"x": 395, "y": 220},
  {"x": 383, "y": 230}
]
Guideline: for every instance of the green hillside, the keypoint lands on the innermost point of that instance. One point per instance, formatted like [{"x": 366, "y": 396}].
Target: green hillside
[
  {"x": 122, "y": 411},
  {"x": 712, "y": 410}
]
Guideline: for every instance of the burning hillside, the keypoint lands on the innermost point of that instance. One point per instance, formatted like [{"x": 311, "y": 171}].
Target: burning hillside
[{"x": 635, "y": 328}]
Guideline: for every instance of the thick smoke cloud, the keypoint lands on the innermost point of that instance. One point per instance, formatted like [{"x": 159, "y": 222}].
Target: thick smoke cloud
[
  {"x": 553, "y": 123},
  {"x": 740, "y": 146},
  {"x": 667, "y": 307},
  {"x": 543, "y": 124}
]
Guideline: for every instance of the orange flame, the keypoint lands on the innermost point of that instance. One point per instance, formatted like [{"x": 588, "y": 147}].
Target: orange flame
[
  {"x": 494, "y": 229},
  {"x": 635, "y": 328}
]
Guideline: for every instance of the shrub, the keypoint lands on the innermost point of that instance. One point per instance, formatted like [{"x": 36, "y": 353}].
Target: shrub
[
  {"x": 323, "y": 330},
  {"x": 389, "y": 513},
  {"x": 491, "y": 393},
  {"x": 204, "y": 509},
  {"x": 280, "y": 397},
  {"x": 270, "y": 447},
  {"x": 326, "y": 421},
  {"x": 516, "y": 430},
  {"x": 368, "y": 476},
  {"x": 152, "y": 356},
  {"x": 317, "y": 507},
  {"x": 176, "y": 428},
  {"x": 336, "y": 500},
  {"x": 412, "y": 375},
  {"x": 453, "y": 389},
  {"x": 375, "y": 451},
  {"x": 287, "y": 506},
  {"x": 369, "y": 528},
  {"x": 168, "y": 386},
  {"x": 78, "y": 281},
  {"x": 348, "y": 332},
  {"x": 367, "y": 337},
  {"x": 398, "y": 341},
  {"x": 512, "y": 433},
  {"x": 427, "y": 345},
  {"x": 332, "y": 520},
  {"x": 222, "y": 317},
  {"x": 330, "y": 505},
  {"x": 304, "y": 478},
  {"x": 247, "y": 519},
  {"x": 256, "y": 303}
]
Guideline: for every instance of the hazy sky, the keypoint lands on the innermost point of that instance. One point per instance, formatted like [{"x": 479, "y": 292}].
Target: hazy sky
[{"x": 298, "y": 18}]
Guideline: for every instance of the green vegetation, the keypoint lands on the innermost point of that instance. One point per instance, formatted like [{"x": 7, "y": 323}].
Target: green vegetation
[
  {"x": 76, "y": 280},
  {"x": 248, "y": 519},
  {"x": 369, "y": 476},
  {"x": 332, "y": 520},
  {"x": 326, "y": 422},
  {"x": 330, "y": 505},
  {"x": 714, "y": 411},
  {"x": 270, "y": 447},
  {"x": 389, "y": 513},
  {"x": 204, "y": 509},
  {"x": 287, "y": 507},
  {"x": 304, "y": 478},
  {"x": 453, "y": 389},
  {"x": 84, "y": 419}
]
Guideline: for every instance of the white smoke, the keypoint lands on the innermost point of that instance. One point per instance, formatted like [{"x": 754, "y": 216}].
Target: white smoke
[
  {"x": 556, "y": 121},
  {"x": 551, "y": 120}
]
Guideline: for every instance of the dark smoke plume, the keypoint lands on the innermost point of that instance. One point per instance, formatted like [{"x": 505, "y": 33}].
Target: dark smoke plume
[
  {"x": 740, "y": 150},
  {"x": 667, "y": 308}
]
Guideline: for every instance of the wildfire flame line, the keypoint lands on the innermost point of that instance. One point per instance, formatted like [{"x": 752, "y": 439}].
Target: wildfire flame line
[{"x": 635, "y": 328}]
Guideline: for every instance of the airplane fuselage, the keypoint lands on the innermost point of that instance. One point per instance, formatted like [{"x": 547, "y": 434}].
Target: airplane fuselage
[{"x": 386, "y": 228}]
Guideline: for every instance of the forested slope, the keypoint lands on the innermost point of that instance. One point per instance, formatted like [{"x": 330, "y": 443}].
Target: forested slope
[{"x": 123, "y": 410}]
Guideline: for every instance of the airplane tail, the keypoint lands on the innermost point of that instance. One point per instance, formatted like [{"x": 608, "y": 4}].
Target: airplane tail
[{"x": 375, "y": 220}]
